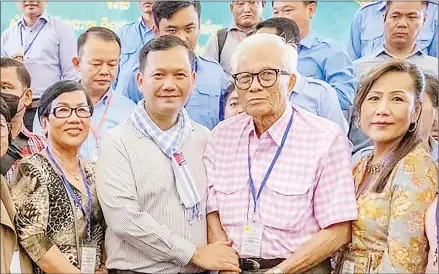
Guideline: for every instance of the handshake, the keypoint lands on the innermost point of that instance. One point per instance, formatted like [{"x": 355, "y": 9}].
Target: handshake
[{"x": 217, "y": 256}]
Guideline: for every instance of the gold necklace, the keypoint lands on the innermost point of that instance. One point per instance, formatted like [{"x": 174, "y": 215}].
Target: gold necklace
[{"x": 374, "y": 168}]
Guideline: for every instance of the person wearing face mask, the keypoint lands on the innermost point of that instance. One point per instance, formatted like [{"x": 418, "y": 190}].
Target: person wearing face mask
[
  {"x": 15, "y": 88},
  {"x": 12, "y": 259},
  {"x": 45, "y": 45},
  {"x": 246, "y": 15}
]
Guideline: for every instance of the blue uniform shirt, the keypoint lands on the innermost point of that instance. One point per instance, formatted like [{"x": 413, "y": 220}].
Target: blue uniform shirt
[
  {"x": 205, "y": 103},
  {"x": 133, "y": 37},
  {"x": 319, "y": 98},
  {"x": 367, "y": 30},
  {"x": 327, "y": 61},
  {"x": 118, "y": 109}
]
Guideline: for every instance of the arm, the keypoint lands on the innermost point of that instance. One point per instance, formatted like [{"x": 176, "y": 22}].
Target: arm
[
  {"x": 354, "y": 43},
  {"x": 117, "y": 195},
  {"x": 339, "y": 73},
  {"x": 67, "y": 50},
  {"x": 320, "y": 247},
  {"x": 215, "y": 231},
  {"x": 413, "y": 189},
  {"x": 330, "y": 109},
  {"x": 334, "y": 207},
  {"x": 212, "y": 48},
  {"x": 32, "y": 228}
]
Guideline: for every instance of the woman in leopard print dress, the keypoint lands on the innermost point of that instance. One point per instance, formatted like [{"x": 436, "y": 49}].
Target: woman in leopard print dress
[{"x": 51, "y": 196}]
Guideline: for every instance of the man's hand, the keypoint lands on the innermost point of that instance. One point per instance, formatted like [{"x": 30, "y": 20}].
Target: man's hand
[{"x": 217, "y": 256}]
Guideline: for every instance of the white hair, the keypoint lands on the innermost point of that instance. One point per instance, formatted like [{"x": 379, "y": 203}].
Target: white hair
[{"x": 289, "y": 58}]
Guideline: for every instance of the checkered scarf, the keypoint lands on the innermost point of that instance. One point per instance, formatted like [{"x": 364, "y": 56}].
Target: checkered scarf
[{"x": 169, "y": 143}]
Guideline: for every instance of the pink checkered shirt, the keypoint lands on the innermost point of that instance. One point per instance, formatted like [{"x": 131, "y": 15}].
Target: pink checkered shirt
[{"x": 310, "y": 188}]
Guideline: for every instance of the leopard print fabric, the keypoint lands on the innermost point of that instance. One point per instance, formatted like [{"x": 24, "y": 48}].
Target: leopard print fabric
[{"x": 45, "y": 215}]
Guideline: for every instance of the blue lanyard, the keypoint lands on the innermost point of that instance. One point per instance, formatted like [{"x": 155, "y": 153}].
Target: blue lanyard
[
  {"x": 72, "y": 193},
  {"x": 270, "y": 169},
  {"x": 30, "y": 44}
]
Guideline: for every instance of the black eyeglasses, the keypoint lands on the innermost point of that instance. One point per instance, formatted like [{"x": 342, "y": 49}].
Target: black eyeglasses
[
  {"x": 267, "y": 78},
  {"x": 66, "y": 112}
]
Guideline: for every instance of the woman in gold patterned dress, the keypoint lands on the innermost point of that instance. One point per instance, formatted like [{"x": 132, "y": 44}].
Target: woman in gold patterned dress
[{"x": 397, "y": 182}]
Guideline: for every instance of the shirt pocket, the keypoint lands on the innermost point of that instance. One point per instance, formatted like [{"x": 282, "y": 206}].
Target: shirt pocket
[
  {"x": 283, "y": 205},
  {"x": 310, "y": 68},
  {"x": 232, "y": 200},
  {"x": 127, "y": 53},
  {"x": 371, "y": 39},
  {"x": 203, "y": 105}
]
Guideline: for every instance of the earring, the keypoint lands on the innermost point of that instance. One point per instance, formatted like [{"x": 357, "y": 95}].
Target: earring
[{"x": 412, "y": 127}]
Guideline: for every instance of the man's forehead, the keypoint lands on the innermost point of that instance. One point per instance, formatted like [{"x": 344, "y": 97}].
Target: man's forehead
[
  {"x": 8, "y": 73},
  {"x": 405, "y": 6}
]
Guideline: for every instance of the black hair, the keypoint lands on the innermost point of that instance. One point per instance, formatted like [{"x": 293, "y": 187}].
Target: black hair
[
  {"x": 23, "y": 74},
  {"x": 166, "y": 9},
  {"x": 104, "y": 34},
  {"x": 4, "y": 111},
  {"x": 285, "y": 28},
  {"x": 163, "y": 43},
  {"x": 54, "y": 91},
  {"x": 227, "y": 93},
  {"x": 432, "y": 88},
  {"x": 304, "y": 2}
]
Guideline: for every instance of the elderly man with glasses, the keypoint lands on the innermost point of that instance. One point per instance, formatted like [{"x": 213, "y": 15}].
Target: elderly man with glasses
[{"x": 280, "y": 186}]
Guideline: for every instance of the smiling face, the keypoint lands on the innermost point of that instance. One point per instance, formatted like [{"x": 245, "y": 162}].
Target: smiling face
[
  {"x": 167, "y": 80},
  {"x": 403, "y": 22},
  {"x": 68, "y": 132},
  {"x": 389, "y": 108}
]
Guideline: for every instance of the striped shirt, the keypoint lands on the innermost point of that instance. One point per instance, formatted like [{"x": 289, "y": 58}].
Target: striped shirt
[
  {"x": 35, "y": 144},
  {"x": 147, "y": 227},
  {"x": 310, "y": 188}
]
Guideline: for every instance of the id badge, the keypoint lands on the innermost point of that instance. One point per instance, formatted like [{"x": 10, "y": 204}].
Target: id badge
[
  {"x": 251, "y": 240},
  {"x": 348, "y": 267},
  {"x": 88, "y": 257}
]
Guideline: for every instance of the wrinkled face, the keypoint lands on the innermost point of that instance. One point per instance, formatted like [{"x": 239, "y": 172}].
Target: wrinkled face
[
  {"x": 389, "y": 108},
  {"x": 4, "y": 134},
  {"x": 403, "y": 22},
  {"x": 428, "y": 118},
  {"x": 299, "y": 12},
  {"x": 97, "y": 64},
  {"x": 246, "y": 13},
  {"x": 233, "y": 107},
  {"x": 184, "y": 24},
  {"x": 32, "y": 8},
  {"x": 71, "y": 131},
  {"x": 167, "y": 81},
  {"x": 259, "y": 101},
  {"x": 146, "y": 6},
  {"x": 14, "y": 90}
]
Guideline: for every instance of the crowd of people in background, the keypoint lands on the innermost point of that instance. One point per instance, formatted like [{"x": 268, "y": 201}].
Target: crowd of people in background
[{"x": 275, "y": 151}]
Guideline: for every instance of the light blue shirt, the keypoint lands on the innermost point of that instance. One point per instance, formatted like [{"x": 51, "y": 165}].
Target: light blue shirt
[
  {"x": 48, "y": 47},
  {"x": 319, "y": 98},
  {"x": 205, "y": 103},
  {"x": 367, "y": 30},
  {"x": 133, "y": 37},
  {"x": 327, "y": 61},
  {"x": 119, "y": 109}
]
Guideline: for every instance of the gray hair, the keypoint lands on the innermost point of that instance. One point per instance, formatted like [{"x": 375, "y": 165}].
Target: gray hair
[{"x": 253, "y": 41}]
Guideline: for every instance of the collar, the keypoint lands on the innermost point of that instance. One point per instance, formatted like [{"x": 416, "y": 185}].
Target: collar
[
  {"x": 300, "y": 83},
  {"x": 198, "y": 66},
  {"x": 105, "y": 99},
  {"x": 381, "y": 49},
  {"x": 434, "y": 148},
  {"x": 277, "y": 130},
  {"x": 43, "y": 16},
  {"x": 308, "y": 41},
  {"x": 139, "y": 23},
  {"x": 24, "y": 131}
]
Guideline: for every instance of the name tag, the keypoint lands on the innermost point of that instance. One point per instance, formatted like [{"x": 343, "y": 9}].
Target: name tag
[
  {"x": 15, "y": 263},
  {"x": 88, "y": 258},
  {"x": 348, "y": 267},
  {"x": 251, "y": 241}
]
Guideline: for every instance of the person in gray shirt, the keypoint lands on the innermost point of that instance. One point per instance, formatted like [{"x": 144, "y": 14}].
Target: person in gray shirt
[{"x": 151, "y": 180}]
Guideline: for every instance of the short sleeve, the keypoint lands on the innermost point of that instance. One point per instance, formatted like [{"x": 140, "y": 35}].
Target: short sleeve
[
  {"x": 31, "y": 199},
  {"x": 334, "y": 193},
  {"x": 209, "y": 163}
]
